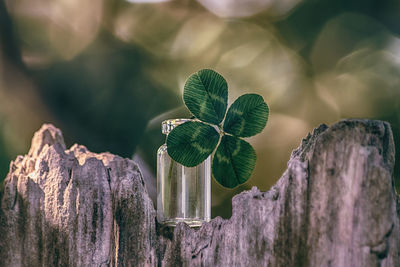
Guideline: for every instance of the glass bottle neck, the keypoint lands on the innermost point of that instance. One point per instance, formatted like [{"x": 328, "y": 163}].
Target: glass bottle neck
[{"x": 168, "y": 125}]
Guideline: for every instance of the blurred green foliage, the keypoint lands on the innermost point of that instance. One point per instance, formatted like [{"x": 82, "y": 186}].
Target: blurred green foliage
[
  {"x": 108, "y": 72},
  {"x": 4, "y": 156}
]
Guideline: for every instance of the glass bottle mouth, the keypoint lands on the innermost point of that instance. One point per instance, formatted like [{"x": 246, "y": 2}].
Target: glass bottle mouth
[{"x": 168, "y": 125}]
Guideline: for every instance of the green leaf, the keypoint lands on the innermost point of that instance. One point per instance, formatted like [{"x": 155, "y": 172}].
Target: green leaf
[
  {"x": 247, "y": 116},
  {"x": 191, "y": 143},
  {"x": 206, "y": 96},
  {"x": 233, "y": 161}
]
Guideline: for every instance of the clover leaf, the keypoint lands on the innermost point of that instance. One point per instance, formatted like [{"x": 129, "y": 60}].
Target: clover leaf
[
  {"x": 247, "y": 116},
  {"x": 191, "y": 143},
  {"x": 233, "y": 161},
  {"x": 205, "y": 95}
]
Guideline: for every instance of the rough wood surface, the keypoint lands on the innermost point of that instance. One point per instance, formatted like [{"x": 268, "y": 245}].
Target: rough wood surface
[
  {"x": 75, "y": 208},
  {"x": 334, "y": 206}
]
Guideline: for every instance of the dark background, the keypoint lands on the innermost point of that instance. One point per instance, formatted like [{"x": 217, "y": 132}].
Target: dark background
[{"x": 108, "y": 72}]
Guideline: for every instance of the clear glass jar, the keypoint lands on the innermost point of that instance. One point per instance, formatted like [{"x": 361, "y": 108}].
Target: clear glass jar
[{"x": 183, "y": 193}]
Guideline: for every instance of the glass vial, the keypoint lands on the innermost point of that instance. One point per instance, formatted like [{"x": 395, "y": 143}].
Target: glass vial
[{"x": 183, "y": 193}]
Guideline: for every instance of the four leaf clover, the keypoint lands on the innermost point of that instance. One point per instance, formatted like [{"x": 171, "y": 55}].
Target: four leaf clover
[{"x": 206, "y": 97}]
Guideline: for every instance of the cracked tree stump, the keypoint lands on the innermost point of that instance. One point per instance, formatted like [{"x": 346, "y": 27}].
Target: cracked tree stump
[{"x": 335, "y": 205}]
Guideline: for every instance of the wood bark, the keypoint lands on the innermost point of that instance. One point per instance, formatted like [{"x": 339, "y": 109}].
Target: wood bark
[{"x": 335, "y": 205}]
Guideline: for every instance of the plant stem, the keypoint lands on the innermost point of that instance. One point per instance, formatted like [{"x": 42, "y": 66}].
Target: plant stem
[{"x": 172, "y": 190}]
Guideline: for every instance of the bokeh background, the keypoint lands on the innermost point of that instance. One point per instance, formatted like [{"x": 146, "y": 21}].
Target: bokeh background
[{"x": 107, "y": 72}]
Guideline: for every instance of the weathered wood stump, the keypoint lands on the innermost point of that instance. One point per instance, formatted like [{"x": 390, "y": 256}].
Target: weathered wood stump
[{"x": 334, "y": 206}]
